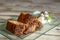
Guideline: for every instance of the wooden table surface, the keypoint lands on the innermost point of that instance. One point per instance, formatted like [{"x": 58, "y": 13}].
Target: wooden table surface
[
  {"x": 9, "y": 10},
  {"x": 53, "y": 34}
]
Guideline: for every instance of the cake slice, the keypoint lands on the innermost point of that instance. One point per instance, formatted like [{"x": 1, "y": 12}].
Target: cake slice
[
  {"x": 31, "y": 20},
  {"x": 16, "y": 27}
]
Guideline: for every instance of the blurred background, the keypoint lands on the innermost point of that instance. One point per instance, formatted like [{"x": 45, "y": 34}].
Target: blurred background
[
  {"x": 30, "y": 5},
  {"x": 11, "y": 8}
]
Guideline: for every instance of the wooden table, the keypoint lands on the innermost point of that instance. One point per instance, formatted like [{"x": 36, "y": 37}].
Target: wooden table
[
  {"x": 53, "y": 34},
  {"x": 9, "y": 10}
]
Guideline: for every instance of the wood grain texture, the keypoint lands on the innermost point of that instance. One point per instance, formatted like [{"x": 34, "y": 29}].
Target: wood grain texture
[
  {"x": 55, "y": 31},
  {"x": 52, "y": 34},
  {"x": 11, "y": 8},
  {"x": 31, "y": 5},
  {"x": 47, "y": 37}
]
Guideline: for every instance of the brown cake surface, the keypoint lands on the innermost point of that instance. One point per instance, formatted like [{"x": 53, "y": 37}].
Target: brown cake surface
[
  {"x": 31, "y": 20},
  {"x": 16, "y": 27},
  {"x": 26, "y": 23},
  {"x": 21, "y": 17}
]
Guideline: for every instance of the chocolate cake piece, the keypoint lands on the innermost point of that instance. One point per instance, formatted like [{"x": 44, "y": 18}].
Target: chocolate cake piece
[
  {"x": 29, "y": 19},
  {"x": 16, "y": 27}
]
